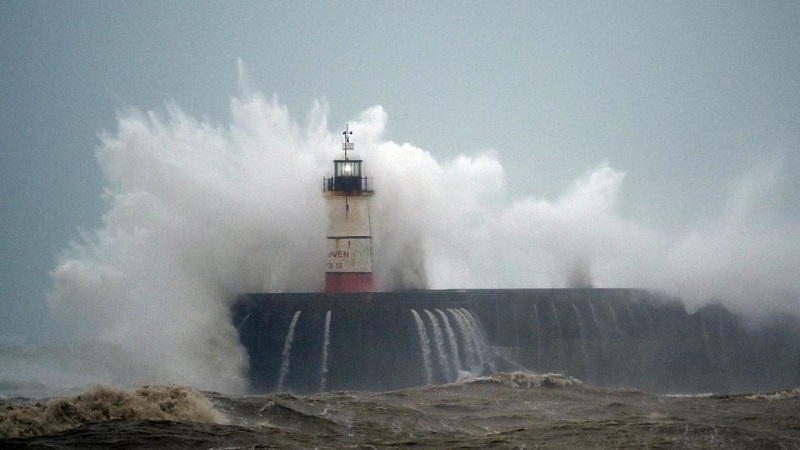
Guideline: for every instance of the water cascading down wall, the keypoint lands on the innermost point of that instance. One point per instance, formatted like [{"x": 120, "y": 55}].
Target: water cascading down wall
[{"x": 610, "y": 337}]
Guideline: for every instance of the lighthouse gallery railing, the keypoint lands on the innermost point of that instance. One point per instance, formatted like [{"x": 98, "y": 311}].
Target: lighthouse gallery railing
[{"x": 345, "y": 184}]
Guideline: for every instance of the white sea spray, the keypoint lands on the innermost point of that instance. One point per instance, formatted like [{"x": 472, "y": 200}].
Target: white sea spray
[{"x": 199, "y": 213}]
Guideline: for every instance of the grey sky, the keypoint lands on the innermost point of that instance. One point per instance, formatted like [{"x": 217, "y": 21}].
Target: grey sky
[{"x": 686, "y": 98}]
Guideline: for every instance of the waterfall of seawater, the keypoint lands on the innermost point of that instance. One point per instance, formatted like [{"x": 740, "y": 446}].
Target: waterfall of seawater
[
  {"x": 287, "y": 351},
  {"x": 425, "y": 345},
  {"x": 471, "y": 348},
  {"x": 582, "y": 342},
  {"x": 595, "y": 322},
  {"x": 438, "y": 340},
  {"x": 451, "y": 339},
  {"x": 325, "y": 344},
  {"x": 516, "y": 330},
  {"x": 480, "y": 340},
  {"x": 617, "y": 330},
  {"x": 538, "y": 330},
  {"x": 634, "y": 322},
  {"x": 560, "y": 338},
  {"x": 648, "y": 318},
  {"x": 600, "y": 331}
]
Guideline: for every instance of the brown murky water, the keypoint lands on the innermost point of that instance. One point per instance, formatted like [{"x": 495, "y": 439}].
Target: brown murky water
[{"x": 517, "y": 410}]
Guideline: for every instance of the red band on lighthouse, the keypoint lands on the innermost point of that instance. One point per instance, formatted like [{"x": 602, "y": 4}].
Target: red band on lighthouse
[{"x": 348, "y": 282}]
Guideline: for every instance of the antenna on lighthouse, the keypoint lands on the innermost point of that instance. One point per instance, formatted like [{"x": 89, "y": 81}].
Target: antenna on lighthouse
[{"x": 347, "y": 133}]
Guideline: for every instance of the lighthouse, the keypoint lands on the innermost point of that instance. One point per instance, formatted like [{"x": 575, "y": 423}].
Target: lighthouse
[{"x": 349, "y": 253}]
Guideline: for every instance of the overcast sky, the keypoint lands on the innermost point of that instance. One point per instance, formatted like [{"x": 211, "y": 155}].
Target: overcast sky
[{"x": 686, "y": 98}]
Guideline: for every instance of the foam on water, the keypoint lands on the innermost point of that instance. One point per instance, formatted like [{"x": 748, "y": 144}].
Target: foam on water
[
  {"x": 102, "y": 403},
  {"x": 780, "y": 395},
  {"x": 526, "y": 380}
]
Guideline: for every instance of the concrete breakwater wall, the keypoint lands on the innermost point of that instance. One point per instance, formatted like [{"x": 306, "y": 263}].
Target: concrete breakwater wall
[{"x": 610, "y": 337}]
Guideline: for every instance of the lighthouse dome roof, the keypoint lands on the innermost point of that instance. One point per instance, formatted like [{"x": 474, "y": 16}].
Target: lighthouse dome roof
[{"x": 352, "y": 155}]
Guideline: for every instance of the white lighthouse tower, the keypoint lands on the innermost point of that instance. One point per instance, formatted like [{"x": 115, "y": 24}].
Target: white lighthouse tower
[{"x": 349, "y": 264}]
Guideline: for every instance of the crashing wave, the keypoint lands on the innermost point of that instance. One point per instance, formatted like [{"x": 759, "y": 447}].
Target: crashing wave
[
  {"x": 526, "y": 380},
  {"x": 103, "y": 403},
  {"x": 780, "y": 395}
]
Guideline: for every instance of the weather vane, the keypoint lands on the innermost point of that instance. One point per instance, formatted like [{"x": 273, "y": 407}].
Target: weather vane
[{"x": 347, "y": 133}]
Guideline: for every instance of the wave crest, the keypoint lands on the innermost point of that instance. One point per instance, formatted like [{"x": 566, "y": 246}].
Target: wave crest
[
  {"x": 103, "y": 403},
  {"x": 780, "y": 395},
  {"x": 526, "y": 380}
]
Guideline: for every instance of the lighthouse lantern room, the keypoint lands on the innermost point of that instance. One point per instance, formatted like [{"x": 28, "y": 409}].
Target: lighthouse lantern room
[{"x": 349, "y": 263}]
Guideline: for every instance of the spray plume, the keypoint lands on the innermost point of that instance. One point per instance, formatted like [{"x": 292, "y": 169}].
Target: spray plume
[{"x": 198, "y": 213}]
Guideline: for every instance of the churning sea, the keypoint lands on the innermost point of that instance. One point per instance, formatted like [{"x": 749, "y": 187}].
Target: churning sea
[{"x": 502, "y": 410}]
